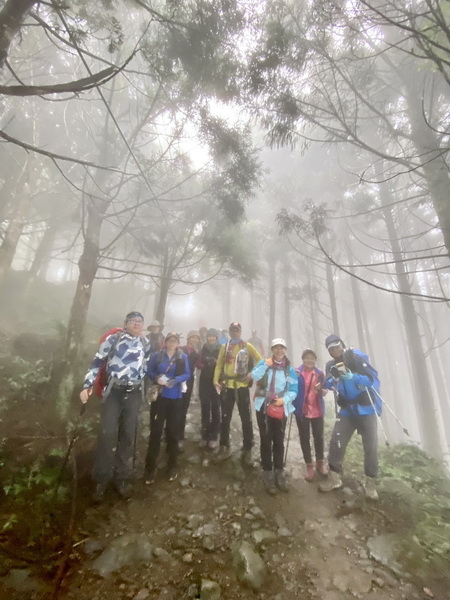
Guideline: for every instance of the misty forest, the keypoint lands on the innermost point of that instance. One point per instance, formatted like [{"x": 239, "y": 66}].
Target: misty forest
[{"x": 282, "y": 164}]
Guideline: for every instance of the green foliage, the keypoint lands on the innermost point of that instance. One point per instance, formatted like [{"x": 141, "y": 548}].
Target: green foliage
[
  {"x": 33, "y": 494},
  {"x": 27, "y": 374},
  {"x": 421, "y": 488}
]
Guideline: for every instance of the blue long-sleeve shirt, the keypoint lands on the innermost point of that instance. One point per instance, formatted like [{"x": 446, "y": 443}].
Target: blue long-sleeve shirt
[{"x": 161, "y": 364}]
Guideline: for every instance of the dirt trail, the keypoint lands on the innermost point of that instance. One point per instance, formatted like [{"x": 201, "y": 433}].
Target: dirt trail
[{"x": 313, "y": 545}]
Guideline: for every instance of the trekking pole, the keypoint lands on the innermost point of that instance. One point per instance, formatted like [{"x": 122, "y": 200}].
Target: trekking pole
[
  {"x": 405, "y": 431},
  {"x": 73, "y": 439},
  {"x": 288, "y": 438},
  {"x": 378, "y": 417},
  {"x": 336, "y": 412}
]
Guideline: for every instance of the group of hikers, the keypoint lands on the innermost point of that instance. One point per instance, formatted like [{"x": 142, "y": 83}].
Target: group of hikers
[{"x": 223, "y": 367}]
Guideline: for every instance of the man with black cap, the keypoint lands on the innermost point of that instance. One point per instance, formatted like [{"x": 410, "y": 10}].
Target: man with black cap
[
  {"x": 353, "y": 381},
  {"x": 125, "y": 354},
  {"x": 232, "y": 379}
]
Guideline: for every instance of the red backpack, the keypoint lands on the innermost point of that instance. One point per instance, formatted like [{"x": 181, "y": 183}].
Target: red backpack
[{"x": 102, "y": 377}]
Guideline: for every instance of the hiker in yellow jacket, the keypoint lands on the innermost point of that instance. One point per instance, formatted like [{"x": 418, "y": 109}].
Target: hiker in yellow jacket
[{"x": 232, "y": 380}]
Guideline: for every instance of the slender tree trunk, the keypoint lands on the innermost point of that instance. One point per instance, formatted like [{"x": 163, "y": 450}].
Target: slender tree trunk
[
  {"x": 66, "y": 373},
  {"x": 332, "y": 298},
  {"x": 272, "y": 298},
  {"x": 42, "y": 255},
  {"x": 423, "y": 396},
  {"x": 17, "y": 219},
  {"x": 312, "y": 300},
  {"x": 160, "y": 312},
  {"x": 287, "y": 309}
]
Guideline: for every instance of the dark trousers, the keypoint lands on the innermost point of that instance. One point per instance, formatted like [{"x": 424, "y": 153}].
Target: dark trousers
[
  {"x": 271, "y": 433},
  {"x": 228, "y": 398},
  {"x": 118, "y": 425},
  {"x": 210, "y": 410},
  {"x": 186, "y": 400},
  {"x": 164, "y": 411},
  {"x": 343, "y": 430},
  {"x": 305, "y": 426}
]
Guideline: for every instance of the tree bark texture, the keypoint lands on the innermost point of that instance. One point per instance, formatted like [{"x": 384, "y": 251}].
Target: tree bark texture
[
  {"x": 11, "y": 18},
  {"x": 422, "y": 391}
]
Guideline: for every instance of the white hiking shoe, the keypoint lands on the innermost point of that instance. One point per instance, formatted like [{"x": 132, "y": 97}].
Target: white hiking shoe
[
  {"x": 370, "y": 488},
  {"x": 332, "y": 482}
]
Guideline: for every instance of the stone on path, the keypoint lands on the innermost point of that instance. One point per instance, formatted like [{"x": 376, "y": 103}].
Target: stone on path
[
  {"x": 124, "y": 550},
  {"x": 250, "y": 568},
  {"x": 210, "y": 590}
]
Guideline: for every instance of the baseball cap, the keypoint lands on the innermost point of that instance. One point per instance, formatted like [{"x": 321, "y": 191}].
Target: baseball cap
[{"x": 278, "y": 342}]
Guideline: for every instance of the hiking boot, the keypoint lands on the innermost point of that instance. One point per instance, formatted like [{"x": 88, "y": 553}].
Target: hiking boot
[
  {"x": 149, "y": 477},
  {"x": 370, "y": 489},
  {"x": 269, "y": 482},
  {"x": 280, "y": 480},
  {"x": 213, "y": 445},
  {"x": 309, "y": 473},
  {"x": 332, "y": 482},
  {"x": 99, "y": 491},
  {"x": 172, "y": 473},
  {"x": 246, "y": 458},
  {"x": 321, "y": 467},
  {"x": 124, "y": 489},
  {"x": 223, "y": 454}
]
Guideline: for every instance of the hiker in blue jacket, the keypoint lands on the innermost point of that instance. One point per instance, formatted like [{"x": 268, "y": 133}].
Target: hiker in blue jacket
[
  {"x": 168, "y": 368},
  {"x": 276, "y": 390},
  {"x": 351, "y": 377}
]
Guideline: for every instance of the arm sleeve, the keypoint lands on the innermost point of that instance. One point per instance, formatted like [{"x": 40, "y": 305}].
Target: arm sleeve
[
  {"x": 219, "y": 365},
  {"x": 291, "y": 393},
  {"x": 362, "y": 380},
  {"x": 99, "y": 360},
  {"x": 260, "y": 370}
]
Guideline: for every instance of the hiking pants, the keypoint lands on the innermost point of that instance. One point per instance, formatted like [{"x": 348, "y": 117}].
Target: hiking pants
[
  {"x": 271, "y": 432},
  {"x": 343, "y": 431},
  {"x": 228, "y": 398},
  {"x": 186, "y": 400},
  {"x": 118, "y": 425},
  {"x": 163, "y": 411},
  {"x": 210, "y": 410},
  {"x": 305, "y": 426}
]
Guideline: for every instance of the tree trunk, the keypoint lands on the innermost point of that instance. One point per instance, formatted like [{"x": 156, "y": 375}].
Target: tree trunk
[
  {"x": 160, "y": 312},
  {"x": 17, "y": 219},
  {"x": 423, "y": 396},
  {"x": 272, "y": 298},
  {"x": 42, "y": 255},
  {"x": 287, "y": 309},
  {"x": 332, "y": 298},
  {"x": 66, "y": 373},
  {"x": 313, "y": 312},
  {"x": 431, "y": 154},
  {"x": 11, "y": 18}
]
